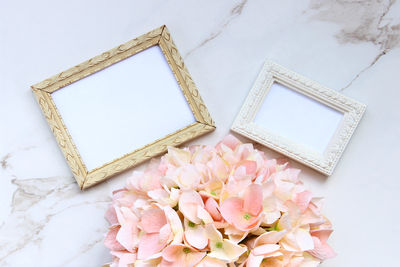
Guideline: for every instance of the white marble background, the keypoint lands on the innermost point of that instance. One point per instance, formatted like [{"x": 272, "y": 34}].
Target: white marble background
[{"x": 348, "y": 45}]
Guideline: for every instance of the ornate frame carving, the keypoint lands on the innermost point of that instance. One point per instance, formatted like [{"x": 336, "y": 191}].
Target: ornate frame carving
[
  {"x": 160, "y": 37},
  {"x": 324, "y": 163}
]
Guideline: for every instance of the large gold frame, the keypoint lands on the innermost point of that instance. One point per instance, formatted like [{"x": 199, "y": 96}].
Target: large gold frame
[{"x": 160, "y": 37}]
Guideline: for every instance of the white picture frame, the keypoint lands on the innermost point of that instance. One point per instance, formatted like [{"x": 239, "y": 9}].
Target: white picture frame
[{"x": 281, "y": 101}]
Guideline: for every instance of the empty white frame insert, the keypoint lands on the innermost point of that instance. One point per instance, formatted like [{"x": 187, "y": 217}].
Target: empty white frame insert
[{"x": 298, "y": 117}]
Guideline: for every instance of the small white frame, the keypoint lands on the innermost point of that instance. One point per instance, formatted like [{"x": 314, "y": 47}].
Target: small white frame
[{"x": 325, "y": 162}]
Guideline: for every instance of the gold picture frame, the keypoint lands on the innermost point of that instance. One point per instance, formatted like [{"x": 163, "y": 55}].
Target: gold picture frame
[{"x": 160, "y": 37}]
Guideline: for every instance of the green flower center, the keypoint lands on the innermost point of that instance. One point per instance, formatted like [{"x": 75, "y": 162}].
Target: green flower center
[
  {"x": 186, "y": 250},
  {"x": 191, "y": 224},
  {"x": 213, "y": 193},
  {"x": 218, "y": 244},
  {"x": 247, "y": 216},
  {"x": 272, "y": 228}
]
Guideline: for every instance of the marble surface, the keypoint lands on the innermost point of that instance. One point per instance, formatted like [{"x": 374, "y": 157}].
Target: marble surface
[{"x": 351, "y": 46}]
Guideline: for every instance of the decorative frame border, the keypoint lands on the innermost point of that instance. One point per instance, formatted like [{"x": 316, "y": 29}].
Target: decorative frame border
[
  {"x": 160, "y": 37},
  {"x": 324, "y": 163}
]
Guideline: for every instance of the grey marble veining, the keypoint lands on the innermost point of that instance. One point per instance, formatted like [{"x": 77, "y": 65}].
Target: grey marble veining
[
  {"x": 234, "y": 12},
  {"x": 368, "y": 21}
]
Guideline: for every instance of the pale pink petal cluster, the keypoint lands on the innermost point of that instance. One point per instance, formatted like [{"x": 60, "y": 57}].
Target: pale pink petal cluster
[{"x": 227, "y": 205}]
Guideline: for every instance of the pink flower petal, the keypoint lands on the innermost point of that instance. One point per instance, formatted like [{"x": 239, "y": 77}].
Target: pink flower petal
[
  {"x": 188, "y": 202},
  {"x": 219, "y": 168},
  {"x": 322, "y": 234},
  {"x": 289, "y": 242},
  {"x": 125, "y": 259},
  {"x": 244, "y": 151},
  {"x": 178, "y": 157},
  {"x": 231, "y": 211},
  {"x": 233, "y": 187},
  {"x": 303, "y": 200},
  {"x": 272, "y": 237},
  {"x": 165, "y": 234},
  {"x": 204, "y": 216},
  {"x": 165, "y": 263},
  {"x": 133, "y": 182},
  {"x": 254, "y": 261},
  {"x": 151, "y": 180},
  {"x": 149, "y": 245},
  {"x": 282, "y": 161},
  {"x": 180, "y": 255},
  {"x": 230, "y": 141},
  {"x": 211, "y": 262},
  {"x": 285, "y": 222},
  {"x": 304, "y": 239},
  {"x": 172, "y": 253},
  {"x": 193, "y": 258},
  {"x": 311, "y": 218},
  {"x": 290, "y": 175},
  {"x": 253, "y": 198},
  {"x": 265, "y": 249},
  {"x": 231, "y": 208},
  {"x": 196, "y": 237},
  {"x": 175, "y": 224},
  {"x": 250, "y": 165},
  {"x": 152, "y": 220},
  {"x": 212, "y": 207},
  {"x": 240, "y": 173},
  {"x": 128, "y": 236},
  {"x": 111, "y": 240},
  {"x": 321, "y": 250},
  {"x": 111, "y": 215},
  {"x": 188, "y": 177}
]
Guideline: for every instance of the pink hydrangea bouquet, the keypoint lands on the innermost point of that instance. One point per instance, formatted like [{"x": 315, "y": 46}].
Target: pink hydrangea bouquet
[{"x": 217, "y": 206}]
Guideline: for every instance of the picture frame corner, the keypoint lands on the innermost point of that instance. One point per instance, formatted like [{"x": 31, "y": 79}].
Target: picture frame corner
[
  {"x": 88, "y": 183},
  {"x": 164, "y": 28}
]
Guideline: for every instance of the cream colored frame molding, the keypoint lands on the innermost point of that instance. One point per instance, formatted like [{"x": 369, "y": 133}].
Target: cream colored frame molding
[
  {"x": 324, "y": 163},
  {"x": 160, "y": 37}
]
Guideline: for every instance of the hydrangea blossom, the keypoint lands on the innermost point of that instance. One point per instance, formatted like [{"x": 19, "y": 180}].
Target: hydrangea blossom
[{"x": 209, "y": 206}]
